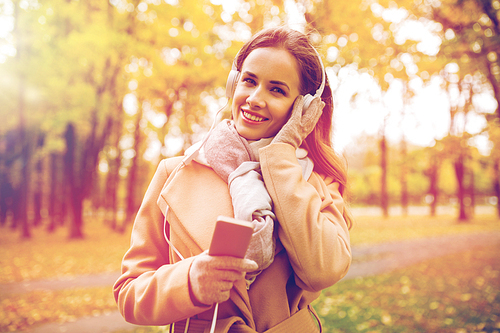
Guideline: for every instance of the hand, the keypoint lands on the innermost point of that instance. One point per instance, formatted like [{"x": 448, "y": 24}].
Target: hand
[
  {"x": 301, "y": 122},
  {"x": 212, "y": 277}
]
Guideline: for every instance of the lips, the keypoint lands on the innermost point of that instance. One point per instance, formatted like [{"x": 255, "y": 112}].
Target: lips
[{"x": 252, "y": 117}]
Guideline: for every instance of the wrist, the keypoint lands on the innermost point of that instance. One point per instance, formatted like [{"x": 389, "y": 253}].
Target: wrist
[
  {"x": 192, "y": 295},
  {"x": 194, "y": 300}
]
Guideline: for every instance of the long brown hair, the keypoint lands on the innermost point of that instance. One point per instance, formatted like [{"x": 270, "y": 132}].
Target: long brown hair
[{"x": 318, "y": 143}]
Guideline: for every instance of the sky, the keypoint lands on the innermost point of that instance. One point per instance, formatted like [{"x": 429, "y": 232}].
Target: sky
[{"x": 426, "y": 116}]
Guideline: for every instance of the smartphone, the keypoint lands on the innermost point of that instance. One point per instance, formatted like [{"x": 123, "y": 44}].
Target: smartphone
[{"x": 231, "y": 237}]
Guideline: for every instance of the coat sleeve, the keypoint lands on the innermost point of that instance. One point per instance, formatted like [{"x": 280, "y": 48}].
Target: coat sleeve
[
  {"x": 310, "y": 215},
  {"x": 150, "y": 290}
]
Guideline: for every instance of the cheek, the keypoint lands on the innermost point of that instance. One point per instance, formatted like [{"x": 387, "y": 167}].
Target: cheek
[
  {"x": 238, "y": 99},
  {"x": 233, "y": 108},
  {"x": 280, "y": 119},
  {"x": 284, "y": 114}
]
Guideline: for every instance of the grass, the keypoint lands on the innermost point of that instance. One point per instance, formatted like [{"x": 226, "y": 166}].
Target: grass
[
  {"x": 18, "y": 312},
  {"x": 54, "y": 256},
  {"x": 47, "y": 256},
  {"x": 457, "y": 293}
]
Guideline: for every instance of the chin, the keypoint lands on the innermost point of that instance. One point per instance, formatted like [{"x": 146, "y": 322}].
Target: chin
[{"x": 248, "y": 135}]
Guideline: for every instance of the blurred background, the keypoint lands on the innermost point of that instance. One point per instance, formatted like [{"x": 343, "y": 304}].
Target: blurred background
[{"x": 93, "y": 94}]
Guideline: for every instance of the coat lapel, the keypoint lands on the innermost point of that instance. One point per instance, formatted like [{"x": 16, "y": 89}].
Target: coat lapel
[{"x": 196, "y": 196}]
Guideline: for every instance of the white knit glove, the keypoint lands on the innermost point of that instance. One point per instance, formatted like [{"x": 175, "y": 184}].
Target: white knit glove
[
  {"x": 211, "y": 278},
  {"x": 301, "y": 122}
]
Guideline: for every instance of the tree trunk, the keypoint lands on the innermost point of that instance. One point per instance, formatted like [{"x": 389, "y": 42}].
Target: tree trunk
[
  {"x": 404, "y": 177},
  {"x": 75, "y": 192},
  {"x": 22, "y": 200},
  {"x": 37, "y": 194},
  {"x": 472, "y": 194},
  {"x": 38, "y": 189},
  {"x": 7, "y": 191},
  {"x": 433, "y": 186},
  {"x": 112, "y": 182},
  {"x": 496, "y": 183},
  {"x": 53, "y": 195},
  {"x": 111, "y": 196},
  {"x": 131, "y": 205},
  {"x": 76, "y": 226},
  {"x": 114, "y": 161},
  {"x": 460, "y": 173},
  {"x": 25, "y": 160},
  {"x": 6, "y": 196},
  {"x": 384, "y": 200}
]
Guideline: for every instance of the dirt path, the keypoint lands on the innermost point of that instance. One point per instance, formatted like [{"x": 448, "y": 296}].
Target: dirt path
[
  {"x": 368, "y": 260},
  {"x": 381, "y": 258}
]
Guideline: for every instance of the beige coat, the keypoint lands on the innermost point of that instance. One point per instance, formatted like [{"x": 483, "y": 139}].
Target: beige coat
[{"x": 313, "y": 251}]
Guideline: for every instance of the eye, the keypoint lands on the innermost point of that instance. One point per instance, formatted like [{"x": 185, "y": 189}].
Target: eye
[
  {"x": 249, "y": 80},
  {"x": 278, "y": 90}
]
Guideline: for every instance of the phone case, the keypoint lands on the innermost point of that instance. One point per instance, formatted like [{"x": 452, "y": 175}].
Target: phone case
[{"x": 231, "y": 237}]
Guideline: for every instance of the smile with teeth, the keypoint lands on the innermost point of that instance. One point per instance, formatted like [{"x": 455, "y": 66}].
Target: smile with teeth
[{"x": 253, "y": 117}]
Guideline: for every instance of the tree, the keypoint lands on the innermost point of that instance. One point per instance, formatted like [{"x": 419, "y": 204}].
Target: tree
[
  {"x": 131, "y": 204},
  {"x": 384, "y": 196},
  {"x": 432, "y": 172},
  {"x": 470, "y": 30},
  {"x": 494, "y": 131}
]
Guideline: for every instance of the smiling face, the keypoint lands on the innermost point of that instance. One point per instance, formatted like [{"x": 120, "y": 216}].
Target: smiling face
[{"x": 267, "y": 87}]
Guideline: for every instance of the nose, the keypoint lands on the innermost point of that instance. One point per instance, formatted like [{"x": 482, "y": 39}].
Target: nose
[{"x": 256, "y": 98}]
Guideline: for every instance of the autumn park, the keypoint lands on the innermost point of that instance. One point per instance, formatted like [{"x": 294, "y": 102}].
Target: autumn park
[{"x": 94, "y": 94}]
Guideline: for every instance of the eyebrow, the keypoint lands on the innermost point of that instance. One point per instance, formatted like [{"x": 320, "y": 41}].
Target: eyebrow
[{"x": 281, "y": 83}]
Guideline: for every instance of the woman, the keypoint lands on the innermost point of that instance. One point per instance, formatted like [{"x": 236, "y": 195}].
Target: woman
[{"x": 301, "y": 239}]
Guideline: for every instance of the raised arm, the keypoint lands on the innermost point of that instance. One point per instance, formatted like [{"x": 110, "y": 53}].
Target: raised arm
[{"x": 311, "y": 226}]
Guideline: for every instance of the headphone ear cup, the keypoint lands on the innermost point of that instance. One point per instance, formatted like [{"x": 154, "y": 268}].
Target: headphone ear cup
[
  {"x": 307, "y": 101},
  {"x": 232, "y": 81}
]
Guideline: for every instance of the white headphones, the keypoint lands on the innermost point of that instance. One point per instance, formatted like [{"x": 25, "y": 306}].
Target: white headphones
[{"x": 234, "y": 76}]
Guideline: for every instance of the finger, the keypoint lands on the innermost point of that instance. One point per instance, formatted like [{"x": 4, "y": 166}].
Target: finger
[
  {"x": 219, "y": 291},
  {"x": 222, "y": 296},
  {"x": 316, "y": 105},
  {"x": 232, "y": 263},
  {"x": 297, "y": 107},
  {"x": 224, "y": 275},
  {"x": 224, "y": 286},
  {"x": 250, "y": 265},
  {"x": 313, "y": 112},
  {"x": 224, "y": 268},
  {"x": 299, "y": 101}
]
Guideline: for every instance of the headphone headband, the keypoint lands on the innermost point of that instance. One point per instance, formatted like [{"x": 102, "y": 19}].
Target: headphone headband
[
  {"x": 232, "y": 79},
  {"x": 308, "y": 98}
]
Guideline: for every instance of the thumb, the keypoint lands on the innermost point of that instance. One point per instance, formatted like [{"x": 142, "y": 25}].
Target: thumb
[
  {"x": 250, "y": 265},
  {"x": 297, "y": 108}
]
